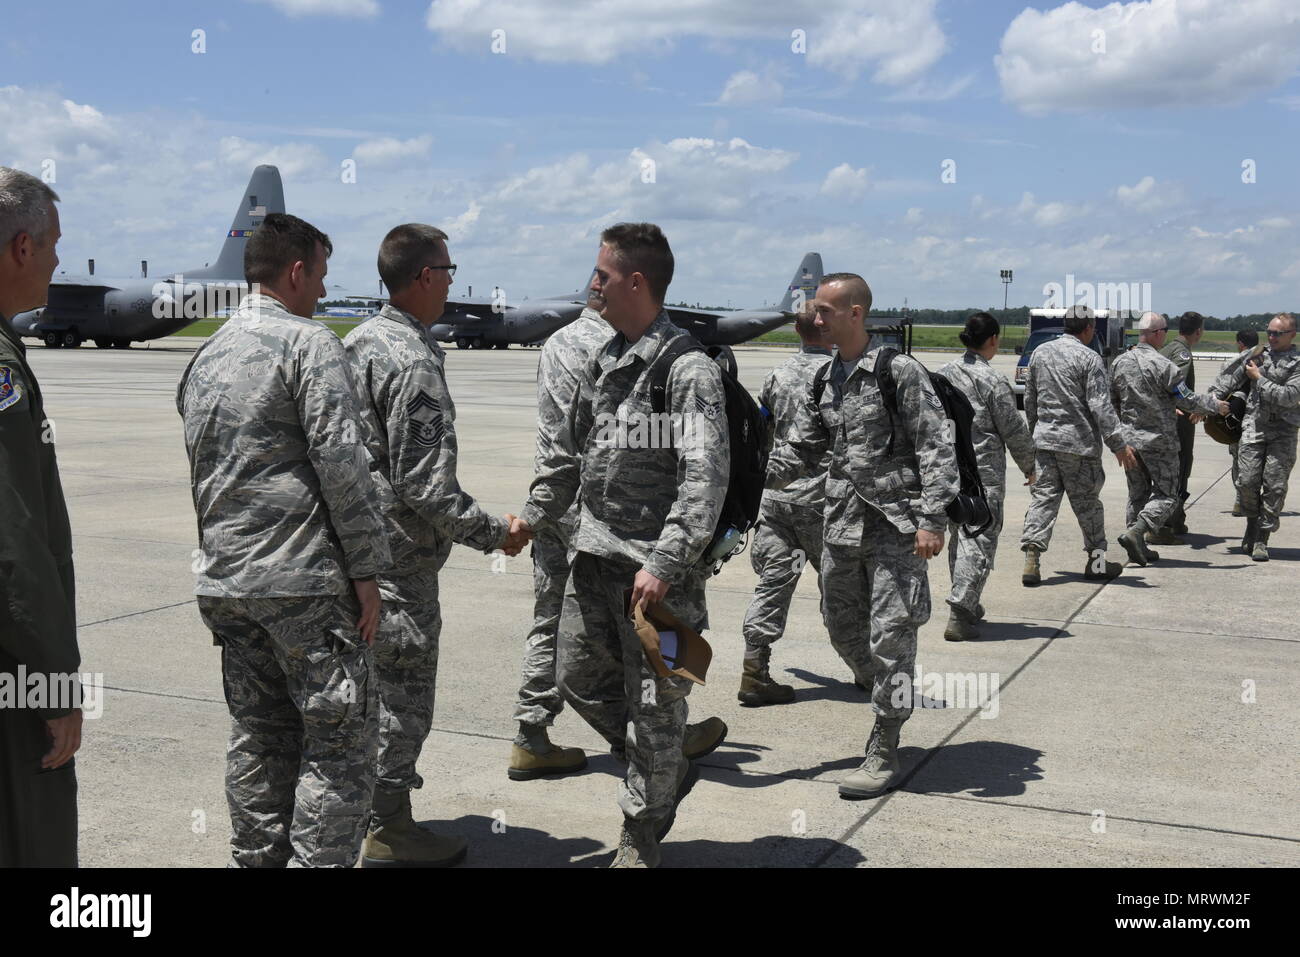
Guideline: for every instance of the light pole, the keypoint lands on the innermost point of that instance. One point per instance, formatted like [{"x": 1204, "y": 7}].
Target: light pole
[{"x": 1005, "y": 275}]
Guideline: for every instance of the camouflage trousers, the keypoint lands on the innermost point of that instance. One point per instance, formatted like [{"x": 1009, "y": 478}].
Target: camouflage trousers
[
  {"x": 1186, "y": 445},
  {"x": 1265, "y": 469},
  {"x": 788, "y": 537},
  {"x": 970, "y": 558},
  {"x": 1080, "y": 477},
  {"x": 1152, "y": 489},
  {"x": 875, "y": 596},
  {"x": 540, "y": 701},
  {"x": 406, "y": 666},
  {"x": 603, "y": 674},
  {"x": 1236, "y": 468},
  {"x": 301, "y": 764}
]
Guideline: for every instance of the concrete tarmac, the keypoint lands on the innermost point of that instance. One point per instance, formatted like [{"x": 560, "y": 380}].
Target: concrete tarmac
[{"x": 1148, "y": 721}]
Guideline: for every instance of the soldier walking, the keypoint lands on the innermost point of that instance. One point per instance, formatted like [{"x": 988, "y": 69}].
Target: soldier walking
[
  {"x": 1069, "y": 411},
  {"x": 885, "y": 514},
  {"x": 1247, "y": 339},
  {"x": 997, "y": 429},
  {"x": 291, "y": 539},
  {"x": 647, "y": 514},
  {"x": 1148, "y": 390},
  {"x": 789, "y": 533},
  {"x": 1267, "y": 451},
  {"x": 409, "y": 427}
]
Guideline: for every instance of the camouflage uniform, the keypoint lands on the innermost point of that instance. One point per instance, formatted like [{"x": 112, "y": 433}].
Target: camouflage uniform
[
  {"x": 287, "y": 515},
  {"x": 1069, "y": 410},
  {"x": 408, "y": 425},
  {"x": 1147, "y": 388},
  {"x": 790, "y": 521},
  {"x": 1267, "y": 450},
  {"x": 1225, "y": 366},
  {"x": 1180, "y": 354},
  {"x": 997, "y": 429},
  {"x": 651, "y": 508},
  {"x": 565, "y": 360},
  {"x": 875, "y": 590}
]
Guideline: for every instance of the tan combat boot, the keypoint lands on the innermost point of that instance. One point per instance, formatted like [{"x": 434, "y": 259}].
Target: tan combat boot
[
  {"x": 1248, "y": 540},
  {"x": 1259, "y": 551},
  {"x": 961, "y": 625},
  {"x": 756, "y": 685},
  {"x": 880, "y": 769},
  {"x": 532, "y": 755},
  {"x": 395, "y": 840},
  {"x": 703, "y": 738},
  {"x": 1031, "y": 576},
  {"x": 637, "y": 845},
  {"x": 1099, "y": 570},
  {"x": 1136, "y": 546}
]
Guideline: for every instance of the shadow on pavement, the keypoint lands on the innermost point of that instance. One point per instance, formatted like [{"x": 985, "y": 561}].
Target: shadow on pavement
[
  {"x": 1124, "y": 579},
  {"x": 529, "y": 847},
  {"x": 1017, "y": 631},
  {"x": 828, "y": 689},
  {"x": 980, "y": 768},
  {"x": 493, "y": 843}
]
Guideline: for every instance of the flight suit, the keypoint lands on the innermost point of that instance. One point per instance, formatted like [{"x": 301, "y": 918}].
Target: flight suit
[
  {"x": 38, "y": 620},
  {"x": 409, "y": 428},
  {"x": 288, "y": 516},
  {"x": 641, "y": 505}
]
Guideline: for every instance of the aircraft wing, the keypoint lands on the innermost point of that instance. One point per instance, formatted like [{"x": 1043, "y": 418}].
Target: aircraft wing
[{"x": 81, "y": 282}]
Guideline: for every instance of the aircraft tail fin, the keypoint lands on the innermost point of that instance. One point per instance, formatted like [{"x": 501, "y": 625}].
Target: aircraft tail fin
[
  {"x": 803, "y": 287},
  {"x": 265, "y": 194}
]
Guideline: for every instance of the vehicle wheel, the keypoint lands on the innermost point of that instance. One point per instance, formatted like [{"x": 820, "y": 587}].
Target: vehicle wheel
[
  {"x": 121, "y": 343},
  {"x": 462, "y": 343},
  {"x": 103, "y": 343},
  {"x": 477, "y": 344},
  {"x": 503, "y": 345},
  {"x": 53, "y": 340},
  {"x": 71, "y": 339}
]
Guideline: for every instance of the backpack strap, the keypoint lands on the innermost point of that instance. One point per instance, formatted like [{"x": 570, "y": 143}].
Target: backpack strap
[
  {"x": 662, "y": 366},
  {"x": 888, "y": 389},
  {"x": 820, "y": 378}
]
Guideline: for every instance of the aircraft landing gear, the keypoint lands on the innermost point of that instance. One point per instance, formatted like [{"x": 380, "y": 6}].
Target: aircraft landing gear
[
  {"x": 71, "y": 339},
  {"x": 103, "y": 343},
  {"x": 462, "y": 343},
  {"x": 503, "y": 345},
  {"x": 52, "y": 340},
  {"x": 121, "y": 343}
]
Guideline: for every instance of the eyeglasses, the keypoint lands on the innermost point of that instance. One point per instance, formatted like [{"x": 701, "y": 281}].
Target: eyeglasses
[
  {"x": 1274, "y": 334},
  {"x": 451, "y": 270}
]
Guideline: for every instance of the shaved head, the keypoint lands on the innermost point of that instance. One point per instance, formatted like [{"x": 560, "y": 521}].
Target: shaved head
[
  {"x": 1149, "y": 320},
  {"x": 850, "y": 290}
]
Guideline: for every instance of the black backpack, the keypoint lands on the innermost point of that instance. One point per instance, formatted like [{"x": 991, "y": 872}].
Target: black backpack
[
  {"x": 745, "y": 428},
  {"x": 970, "y": 509}
]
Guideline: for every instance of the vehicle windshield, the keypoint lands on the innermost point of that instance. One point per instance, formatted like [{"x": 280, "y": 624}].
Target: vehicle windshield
[{"x": 1047, "y": 335}]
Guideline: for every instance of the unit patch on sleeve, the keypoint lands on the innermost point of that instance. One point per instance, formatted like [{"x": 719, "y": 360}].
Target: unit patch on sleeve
[
  {"x": 426, "y": 420},
  {"x": 11, "y": 390}
]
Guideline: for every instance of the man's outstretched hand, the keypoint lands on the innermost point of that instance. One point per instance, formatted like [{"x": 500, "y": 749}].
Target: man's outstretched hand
[{"x": 1127, "y": 458}]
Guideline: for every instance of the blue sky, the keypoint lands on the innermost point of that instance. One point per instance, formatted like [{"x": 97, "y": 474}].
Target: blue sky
[{"x": 1101, "y": 141}]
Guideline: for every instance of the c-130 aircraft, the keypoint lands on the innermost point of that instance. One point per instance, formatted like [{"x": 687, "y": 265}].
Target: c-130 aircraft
[{"x": 116, "y": 312}]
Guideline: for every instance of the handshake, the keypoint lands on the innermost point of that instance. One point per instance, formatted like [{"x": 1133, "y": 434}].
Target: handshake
[{"x": 519, "y": 535}]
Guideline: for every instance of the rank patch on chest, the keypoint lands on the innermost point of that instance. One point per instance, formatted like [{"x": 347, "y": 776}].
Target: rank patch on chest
[
  {"x": 11, "y": 392},
  {"x": 426, "y": 420},
  {"x": 706, "y": 408}
]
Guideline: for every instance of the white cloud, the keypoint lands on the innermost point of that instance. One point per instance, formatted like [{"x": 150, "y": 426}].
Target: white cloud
[
  {"x": 845, "y": 182},
  {"x": 747, "y": 88},
  {"x": 387, "y": 150},
  {"x": 913, "y": 215},
  {"x": 1048, "y": 214},
  {"x": 897, "y": 40},
  {"x": 1149, "y": 195},
  {"x": 1156, "y": 53},
  {"x": 293, "y": 159},
  {"x": 329, "y": 8}
]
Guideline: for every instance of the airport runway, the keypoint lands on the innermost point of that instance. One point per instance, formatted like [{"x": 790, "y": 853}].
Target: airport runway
[{"x": 1149, "y": 721}]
